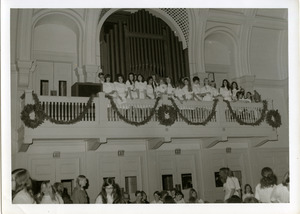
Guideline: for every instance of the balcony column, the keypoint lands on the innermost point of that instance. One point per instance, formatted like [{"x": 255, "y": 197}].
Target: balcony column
[
  {"x": 101, "y": 109},
  {"x": 90, "y": 73},
  {"x": 25, "y": 68}
]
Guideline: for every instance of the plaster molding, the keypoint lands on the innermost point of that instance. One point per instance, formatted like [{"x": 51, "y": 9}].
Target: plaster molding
[{"x": 90, "y": 72}]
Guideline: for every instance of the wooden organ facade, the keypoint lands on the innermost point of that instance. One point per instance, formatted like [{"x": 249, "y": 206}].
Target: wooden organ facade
[{"x": 143, "y": 44}]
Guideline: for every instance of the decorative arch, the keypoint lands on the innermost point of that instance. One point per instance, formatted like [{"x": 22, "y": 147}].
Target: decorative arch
[
  {"x": 161, "y": 13},
  {"x": 71, "y": 17},
  {"x": 229, "y": 34}
]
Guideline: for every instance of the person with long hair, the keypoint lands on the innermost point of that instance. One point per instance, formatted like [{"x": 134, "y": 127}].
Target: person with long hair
[
  {"x": 144, "y": 198},
  {"x": 59, "y": 188},
  {"x": 193, "y": 197},
  {"x": 281, "y": 193},
  {"x": 110, "y": 193},
  {"x": 196, "y": 88},
  {"x": 79, "y": 195},
  {"x": 266, "y": 185},
  {"x": 179, "y": 197},
  {"x": 150, "y": 90},
  {"x": 140, "y": 85},
  {"x": 234, "y": 89},
  {"x": 170, "y": 87},
  {"x": 130, "y": 83},
  {"x": 207, "y": 92},
  {"x": 225, "y": 90},
  {"x": 21, "y": 187},
  {"x": 228, "y": 183},
  {"x": 108, "y": 86},
  {"x": 138, "y": 197},
  {"x": 162, "y": 87},
  {"x": 48, "y": 194},
  {"x": 187, "y": 89},
  {"x": 157, "y": 198},
  {"x": 247, "y": 192},
  {"x": 121, "y": 89}
]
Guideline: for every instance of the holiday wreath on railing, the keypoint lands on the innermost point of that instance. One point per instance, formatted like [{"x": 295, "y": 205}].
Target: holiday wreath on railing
[{"x": 166, "y": 114}]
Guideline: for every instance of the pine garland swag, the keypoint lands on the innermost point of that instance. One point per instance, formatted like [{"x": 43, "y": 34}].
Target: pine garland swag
[
  {"x": 145, "y": 121},
  {"x": 210, "y": 116},
  {"x": 166, "y": 115},
  {"x": 241, "y": 122}
]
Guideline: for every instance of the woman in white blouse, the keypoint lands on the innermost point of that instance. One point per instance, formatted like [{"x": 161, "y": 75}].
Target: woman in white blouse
[
  {"x": 140, "y": 85},
  {"x": 161, "y": 88},
  {"x": 150, "y": 90},
  {"x": 266, "y": 185},
  {"x": 108, "y": 86},
  {"x": 130, "y": 83},
  {"x": 187, "y": 89},
  {"x": 121, "y": 89},
  {"x": 170, "y": 87},
  {"x": 225, "y": 90}
]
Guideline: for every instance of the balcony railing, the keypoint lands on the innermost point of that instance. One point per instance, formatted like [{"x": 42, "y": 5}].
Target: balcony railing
[{"x": 102, "y": 119}]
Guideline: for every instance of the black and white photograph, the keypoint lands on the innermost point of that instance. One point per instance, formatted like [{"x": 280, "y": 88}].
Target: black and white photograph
[{"x": 149, "y": 105}]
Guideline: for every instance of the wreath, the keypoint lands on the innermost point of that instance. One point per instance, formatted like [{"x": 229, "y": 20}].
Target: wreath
[
  {"x": 166, "y": 115},
  {"x": 38, "y": 115},
  {"x": 273, "y": 118}
]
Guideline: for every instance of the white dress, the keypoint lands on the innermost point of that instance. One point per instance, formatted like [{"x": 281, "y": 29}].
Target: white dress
[
  {"x": 188, "y": 94},
  {"x": 121, "y": 89},
  {"x": 280, "y": 194},
  {"x": 161, "y": 89},
  {"x": 48, "y": 200},
  {"x": 23, "y": 197},
  {"x": 228, "y": 186},
  {"x": 141, "y": 87},
  {"x": 264, "y": 194},
  {"x": 150, "y": 91},
  {"x": 225, "y": 93},
  {"x": 210, "y": 93},
  {"x": 197, "y": 91},
  {"x": 179, "y": 93},
  {"x": 108, "y": 87},
  {"x": 132, "y": 89},
  {"x": 170, "y": 90},
  {"x": 234, "y": 91},
  {"x": 99, "y": 200}
]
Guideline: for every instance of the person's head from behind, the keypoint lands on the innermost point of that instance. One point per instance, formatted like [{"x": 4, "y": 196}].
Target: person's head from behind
[
  {"x": 163, "y": 194},
  {"x": 251, "y": 200},
  {"x": 156, "y": 195},
  {"x": 248, "y": 189},
  {"x": 138, "y": 196},
  {"x": 268, "y": 178},
  {"x": 234, "y": 199},
  {"x": 81, "y": 181},
  {"x": 20, "y": 180},
  {"x": 169, "y": 200},
  {"x": 196, "y": 80},
  {"x": 286, "y": 180}
]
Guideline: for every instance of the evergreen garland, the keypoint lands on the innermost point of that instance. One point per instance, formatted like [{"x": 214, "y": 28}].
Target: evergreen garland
[
  {"x": 241, "y": 122},
  {"x": 146, "y": 120},
  {"x": 166, "y": 115},
  {"x": 277, "y": 118},
  {"x": 210, "y": 116}
]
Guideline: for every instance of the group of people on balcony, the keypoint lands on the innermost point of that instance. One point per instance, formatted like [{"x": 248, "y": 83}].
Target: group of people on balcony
[
  {"x": 266, "y": 191},
  {"x": 135, "y": 87}
]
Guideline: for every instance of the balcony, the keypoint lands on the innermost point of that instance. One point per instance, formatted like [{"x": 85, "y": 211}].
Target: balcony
[{"x": 101, "y": 122}]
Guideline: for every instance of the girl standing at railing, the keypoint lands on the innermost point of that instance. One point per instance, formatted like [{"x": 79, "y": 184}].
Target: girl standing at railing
[
  {"x": 130, "y": 83},
  {"x": 206, "y": 91},
  {"x": 140, "y": 85},
  {"x": 179, "y": 92},
  {"x": 234, "y": 90},
  {"x": 150, "y": 90},
  {"x": 121, "y": 89},
  {"x": 161, "y": 88},
  {"x": 187, "y": 89},
  {"x": 225, "y": 90},
  {"x": 170, "y": 87},
  {"x": 108, "y": 86},
  {"x": 196, "y": 88}
]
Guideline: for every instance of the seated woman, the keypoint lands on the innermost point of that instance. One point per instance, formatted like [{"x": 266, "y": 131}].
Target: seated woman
[
  {"x": 121, "y": 89},
  {"x": 109, "y": 87},
  {"x": 150, "y": 90},
  {"x": 157, "y": 198},
  {"x": 196, "y": 88},
  {"x": 225, "y": 90},
  {"x": 21, "y": 187},
  {"x": 138, "y": 197},
  {"x": 234, "y": 90},
  {"x": 161, "y": 88},
  {"x": 110, "y": 193},
  {"x": 170, "y": 87},
  {"x": 206, "y": 92},
  {"x": 179, "y": 197},
  {"x": 187, "y": 89},
  {"x": 140, "y": 85},
  {"x": 247, "y": 192},
  {"x": 130, "y": 83}
]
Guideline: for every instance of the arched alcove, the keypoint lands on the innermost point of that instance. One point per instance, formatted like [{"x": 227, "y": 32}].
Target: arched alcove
[
  {"x": 56, "y": 48},
  {"x": 220, "y": 54}
]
